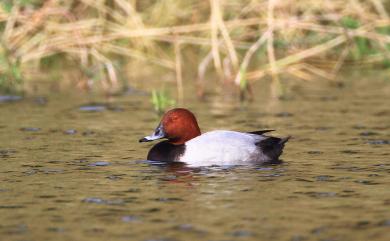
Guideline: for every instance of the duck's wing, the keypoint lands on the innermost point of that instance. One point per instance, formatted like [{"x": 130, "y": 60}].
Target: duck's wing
[{"x": 261, "y": 132}]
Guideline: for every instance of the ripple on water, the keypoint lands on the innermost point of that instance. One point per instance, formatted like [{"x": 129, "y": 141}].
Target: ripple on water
[
  {"x": 161, "y": 239},
  {"x": 100, "y": 164},
  {"x": 349, "y": 193},
  {"x": 130, "y": 219},
  {"x": 93, "y": 108},
  {"x": 384, "y": 223},
  {"x": 367, "y": 182},
  {"x": 11, "y": 206},
  {"x": 378, "y": 142},
  {"x": 242, "y": 234},
  {"x": 30, "y": 129},
  {"x": 70, "y": 132},
  {"x": 168, "y": 199},
  {"x": 55, "y": 229},
  {"x": 325, "y": 178},
  {"x": 5, "y": 153},
  {"x": 368, "y": 133},
  {"x": 298, "y": 238},
  {"x": 103, "y": 201},
  {"x": 318, "y": 194},
  {"x": 97, "y": 107},
  {"x": 115, "y": 177},
  {"x": 9, "y": 98},
  {"x": 362, "y": 224},
  {"x": 152, "y": 210},
  {"x": 284, "y": 114},
  {"x": 17, "y": 229},
  {"x": 349, "y": 151}
]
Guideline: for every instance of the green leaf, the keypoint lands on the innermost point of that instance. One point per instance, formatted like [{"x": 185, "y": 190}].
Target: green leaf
[
  {"x": 362, "y": 45},
  {"x": 161, "y": 100},
  {"x": 243, "y": 79},
  {"x": 386, "y": 63},
  {"x": 383, "y": 30},
  {"x": 17, "y": 73},
  {"x": 350, "y": 22},
  {"x": 7, "y": 6},
  {"x": 25, "y": 2}
]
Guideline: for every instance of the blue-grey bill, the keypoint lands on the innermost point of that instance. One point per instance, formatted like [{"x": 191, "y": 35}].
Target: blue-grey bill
[{"x": 158, "y": 134}]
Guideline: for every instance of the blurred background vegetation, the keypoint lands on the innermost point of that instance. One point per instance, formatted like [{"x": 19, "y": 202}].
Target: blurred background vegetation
[{"x": 113, "y": 44}]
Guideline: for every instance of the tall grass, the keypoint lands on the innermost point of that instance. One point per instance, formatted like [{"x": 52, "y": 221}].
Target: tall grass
[{"x": 239, "y": 41}]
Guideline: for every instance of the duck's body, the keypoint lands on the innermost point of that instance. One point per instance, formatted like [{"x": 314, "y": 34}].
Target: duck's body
[
  {"x": 220, "y": 148},
  {"x": 214, "y": 148}
]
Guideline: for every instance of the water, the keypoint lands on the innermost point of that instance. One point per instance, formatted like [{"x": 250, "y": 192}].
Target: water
[{"x": 72, "y": 170}]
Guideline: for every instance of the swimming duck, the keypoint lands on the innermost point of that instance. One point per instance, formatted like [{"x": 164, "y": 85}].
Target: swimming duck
[{"x": 185, "y": 143}]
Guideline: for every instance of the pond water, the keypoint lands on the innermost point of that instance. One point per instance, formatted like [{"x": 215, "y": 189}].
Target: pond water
[{"x": 75, "y": 171}]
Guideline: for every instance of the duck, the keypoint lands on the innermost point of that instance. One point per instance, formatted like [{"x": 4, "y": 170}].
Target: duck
[{"x": 185, "y": 143}]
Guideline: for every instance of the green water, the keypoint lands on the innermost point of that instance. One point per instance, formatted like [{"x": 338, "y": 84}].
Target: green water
[{"x": 72, "y": 174}]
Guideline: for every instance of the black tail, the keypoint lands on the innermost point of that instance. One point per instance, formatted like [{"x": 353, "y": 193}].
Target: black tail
[{"x": 272, "y": 147}]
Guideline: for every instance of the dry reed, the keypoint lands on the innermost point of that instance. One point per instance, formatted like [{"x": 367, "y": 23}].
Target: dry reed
[{"x": 239, "y": 40}]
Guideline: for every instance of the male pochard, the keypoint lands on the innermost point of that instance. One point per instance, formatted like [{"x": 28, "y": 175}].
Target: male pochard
[{"x": 185, "y": 143}]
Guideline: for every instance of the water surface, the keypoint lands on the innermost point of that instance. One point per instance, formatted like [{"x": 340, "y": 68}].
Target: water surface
[{"x": 72, "y": 170}]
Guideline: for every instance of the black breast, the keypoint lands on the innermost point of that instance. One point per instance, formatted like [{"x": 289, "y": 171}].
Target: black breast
[{"x": 166, "y": 152}]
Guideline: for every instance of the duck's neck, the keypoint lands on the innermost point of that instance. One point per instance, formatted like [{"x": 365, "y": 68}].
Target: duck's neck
[{"x": 191, "y": 131}]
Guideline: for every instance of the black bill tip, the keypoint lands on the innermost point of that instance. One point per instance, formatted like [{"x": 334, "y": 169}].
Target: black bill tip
[{"x": 143, "y": 140}]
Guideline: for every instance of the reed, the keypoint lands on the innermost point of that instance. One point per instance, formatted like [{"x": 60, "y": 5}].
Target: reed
[
  {"x": 240, "y": 41},
  {"x": 161, "y": 101}
]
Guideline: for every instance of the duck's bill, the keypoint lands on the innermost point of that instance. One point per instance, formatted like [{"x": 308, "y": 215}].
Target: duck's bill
[
  {"x": 151, "y": 138},
  {"x": 158, "y": 134}
]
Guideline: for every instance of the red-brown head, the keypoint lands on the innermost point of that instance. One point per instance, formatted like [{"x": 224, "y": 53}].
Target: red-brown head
[{"x": 177, "y": 125}]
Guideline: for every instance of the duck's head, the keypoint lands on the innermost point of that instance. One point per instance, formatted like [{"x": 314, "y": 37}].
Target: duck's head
[{"x": 177, "y": 125}]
